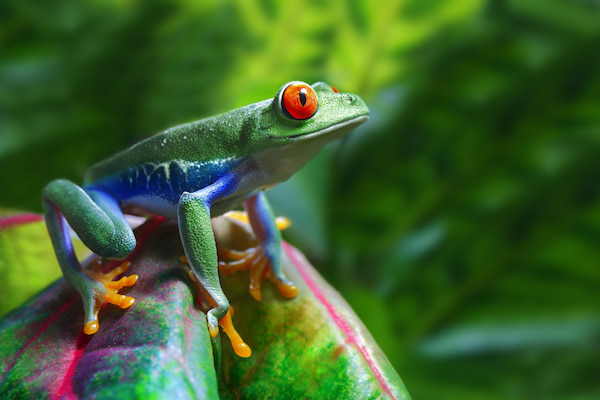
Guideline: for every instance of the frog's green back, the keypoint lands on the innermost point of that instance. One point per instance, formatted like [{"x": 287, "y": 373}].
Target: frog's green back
[
  {"x": 219, "y": 138},
  {"x": 264, "y": 132}
]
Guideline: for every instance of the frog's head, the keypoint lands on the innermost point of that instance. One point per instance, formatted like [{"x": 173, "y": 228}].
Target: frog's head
[
  {"x": 316, "y": 113},
  {"x": 299, "y": 121}
]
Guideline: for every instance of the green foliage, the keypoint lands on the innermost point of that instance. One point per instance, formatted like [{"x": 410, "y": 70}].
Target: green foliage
[
  {"x": 462, "y": 222},
  {"x": 98, "y": 76},
  {"x": 484, "y": 242}
]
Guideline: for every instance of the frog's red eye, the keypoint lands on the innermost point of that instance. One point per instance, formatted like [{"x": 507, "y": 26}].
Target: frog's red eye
[{"x": 299, "y": 100}]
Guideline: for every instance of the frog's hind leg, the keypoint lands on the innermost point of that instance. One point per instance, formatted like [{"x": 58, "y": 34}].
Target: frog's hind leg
[{"x": 100, "y": 224}]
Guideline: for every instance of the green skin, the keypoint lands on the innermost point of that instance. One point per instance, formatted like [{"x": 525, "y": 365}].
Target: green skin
[{"x": 192, "y": 173}]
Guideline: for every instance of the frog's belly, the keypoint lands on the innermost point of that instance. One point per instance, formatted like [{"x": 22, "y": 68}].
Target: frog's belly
[
  {"x": 152, "y": 204},
  {"x": 165, "y": 207}
]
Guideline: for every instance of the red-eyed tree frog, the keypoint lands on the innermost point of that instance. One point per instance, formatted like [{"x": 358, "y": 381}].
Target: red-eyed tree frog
[{"x": 191, "y": 173}]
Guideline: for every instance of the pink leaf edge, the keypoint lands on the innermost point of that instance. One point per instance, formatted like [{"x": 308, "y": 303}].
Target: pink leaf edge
[{"x": 19, "y": 219}]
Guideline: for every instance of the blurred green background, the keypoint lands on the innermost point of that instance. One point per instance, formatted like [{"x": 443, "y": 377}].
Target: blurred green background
[{"x": 462, "y": 222}]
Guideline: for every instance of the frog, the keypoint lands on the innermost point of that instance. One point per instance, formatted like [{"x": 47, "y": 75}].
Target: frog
[{"x": 192, "y": 173}]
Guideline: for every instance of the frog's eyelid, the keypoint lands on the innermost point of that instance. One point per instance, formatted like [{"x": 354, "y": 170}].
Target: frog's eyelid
[{"x": 323, "y": 87}]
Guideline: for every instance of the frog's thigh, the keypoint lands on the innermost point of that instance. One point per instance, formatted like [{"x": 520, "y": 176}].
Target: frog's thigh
[
  {"x": 117, "y": 240},
  {"x": 94, "y": 216}
]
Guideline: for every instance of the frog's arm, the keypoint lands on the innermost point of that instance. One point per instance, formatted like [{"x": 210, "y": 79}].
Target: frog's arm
[
  {"x": 100, "y": 224},
  {"x": 198, "y": 241}
]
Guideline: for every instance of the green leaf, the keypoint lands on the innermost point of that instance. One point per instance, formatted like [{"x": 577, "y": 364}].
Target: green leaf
[
  {"x": 27, "y": 261},
  {"x": 160, "y": 348},
  {"x": 312, "y": 345}
]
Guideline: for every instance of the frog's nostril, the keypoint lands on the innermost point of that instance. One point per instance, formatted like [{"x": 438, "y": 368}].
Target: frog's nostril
[{"x": 348, "y": 99}]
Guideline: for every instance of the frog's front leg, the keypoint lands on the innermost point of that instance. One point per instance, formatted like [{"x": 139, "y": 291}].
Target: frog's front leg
[
  {"x": 199, "y": 245},
  {"x": 100, "y": 224}
]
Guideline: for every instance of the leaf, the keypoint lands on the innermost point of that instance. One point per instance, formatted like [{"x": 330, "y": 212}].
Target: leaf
[
  {"x": 27, "y": 261},
  {"x": 160, "y": 348},
  {"x": 313, "y": 346},
  {"x": 310, "y": 346}
]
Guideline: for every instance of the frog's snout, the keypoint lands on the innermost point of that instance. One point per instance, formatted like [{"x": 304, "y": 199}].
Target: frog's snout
[{"x": 356, "y": 103}]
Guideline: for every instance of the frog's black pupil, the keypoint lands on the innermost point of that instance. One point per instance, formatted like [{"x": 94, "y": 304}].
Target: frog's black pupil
[{"x": 302, "y": 96}]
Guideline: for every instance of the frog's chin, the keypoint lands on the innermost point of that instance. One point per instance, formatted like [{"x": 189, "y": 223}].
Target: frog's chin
[{"x": 332, "y": 132}]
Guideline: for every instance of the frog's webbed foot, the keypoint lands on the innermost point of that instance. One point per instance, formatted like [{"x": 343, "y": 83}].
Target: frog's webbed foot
[
  {"x": 240, "y": 347},
  {"x": 105, "y": 290},
  {"x": 254, "y": 260}
]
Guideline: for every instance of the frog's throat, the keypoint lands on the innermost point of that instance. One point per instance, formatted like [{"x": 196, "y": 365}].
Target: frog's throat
[{"x": 279, "y": 163}]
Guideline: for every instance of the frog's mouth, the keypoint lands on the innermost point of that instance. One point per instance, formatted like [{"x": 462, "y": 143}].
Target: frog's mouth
[{"x": 340, "y": 129}]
